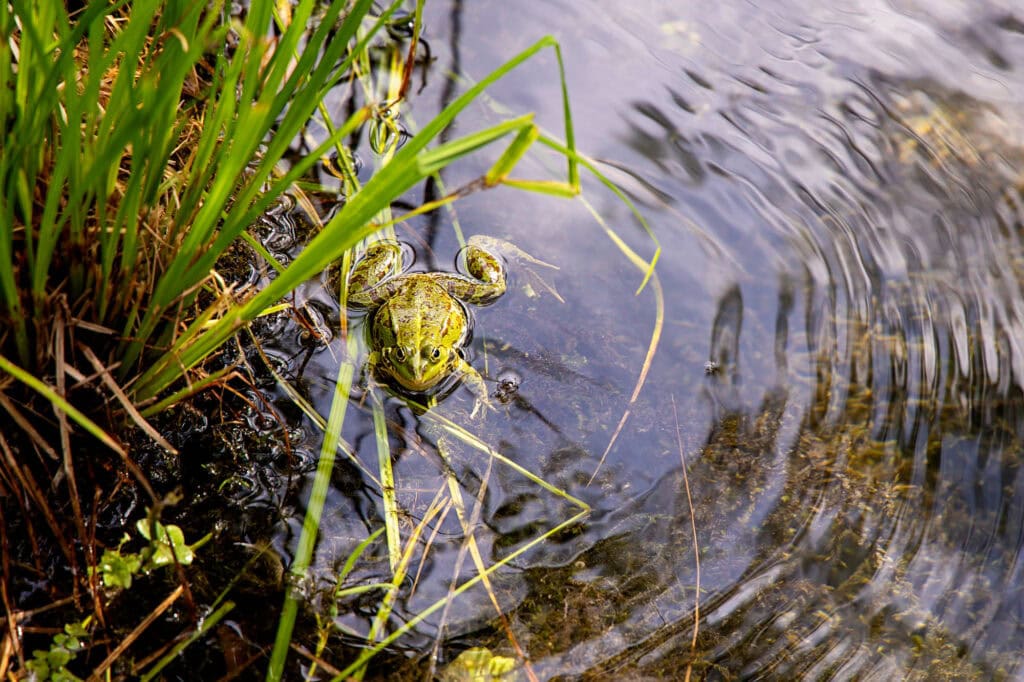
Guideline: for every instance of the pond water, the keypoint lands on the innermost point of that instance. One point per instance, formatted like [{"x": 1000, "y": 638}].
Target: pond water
[{"x": 837, "y": 190}]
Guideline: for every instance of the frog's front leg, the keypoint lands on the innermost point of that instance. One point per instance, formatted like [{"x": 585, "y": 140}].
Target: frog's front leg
[
  {"x": 368, "y": 374},
  {"x": 467, "y": 373}
]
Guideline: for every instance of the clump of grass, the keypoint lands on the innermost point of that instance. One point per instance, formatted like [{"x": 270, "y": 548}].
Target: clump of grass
[
  {"x": 138, "y": 141},
  {"x": 137, "y": 148}
]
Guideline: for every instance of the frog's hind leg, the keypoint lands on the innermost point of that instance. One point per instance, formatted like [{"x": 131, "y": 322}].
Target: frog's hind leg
[
  {"x": 372, "y": 279},
  {"x": 480, "y": 252},
  {"x": 487, "y": 278}
]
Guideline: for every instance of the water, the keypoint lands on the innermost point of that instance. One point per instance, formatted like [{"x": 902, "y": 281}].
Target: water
[{"x": 837, "y": 190}]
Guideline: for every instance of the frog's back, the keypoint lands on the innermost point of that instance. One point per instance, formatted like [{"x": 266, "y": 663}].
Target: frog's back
[{"x": 420, "y": 309}]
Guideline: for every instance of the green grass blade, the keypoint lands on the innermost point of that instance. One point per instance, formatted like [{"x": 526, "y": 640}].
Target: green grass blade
[
  {"x": 60, "y": 403},
  {"x": 205, "y": 625},
  {"x": 406, "y": 627},
  {"x": 570, "y": 134},
  {"x": 430, "y": 162},
  {"x": 311, "y": 522},
  {"x": 476, "y": 443},
  {"x": 387, "y": 488},
  {"x": 511, "y": 156},
  {"x": 550, "y": 187},
  {"x": 353, "y": 557}
]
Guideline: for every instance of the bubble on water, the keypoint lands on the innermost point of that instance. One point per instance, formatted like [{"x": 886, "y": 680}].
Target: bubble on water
[
  {"x": 509, "y": 382},
  {"x": 400, "y": 26}
]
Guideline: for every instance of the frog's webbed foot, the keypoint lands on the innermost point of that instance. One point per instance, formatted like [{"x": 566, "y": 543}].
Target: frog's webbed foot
[
  {"x": 521, "y": 258},
  {"x": 505, "y": 248}
]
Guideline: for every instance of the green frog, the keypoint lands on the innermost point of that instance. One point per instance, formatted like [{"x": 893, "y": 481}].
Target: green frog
[{"x": 419, "y": 322}]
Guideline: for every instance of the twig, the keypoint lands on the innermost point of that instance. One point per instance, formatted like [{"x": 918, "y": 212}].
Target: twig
[
  {"x": 11, "y": 642},
  {"x": 696, "y": 547},
  {"x": 208, "y": 622},
  {"x": 139, "y": 420},
  {"x": 26, "y": 426},
  {"x": 469, "y": 526},
  {"x": 319, "y": 662},
  {"x": 134, "y": 634},
  {"x": 19, "y": 616},
  {"x": 65, "y": 446},
  {"x": 32, "y": 490}
]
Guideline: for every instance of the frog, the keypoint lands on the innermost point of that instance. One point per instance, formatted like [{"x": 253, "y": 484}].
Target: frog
[{"x": 418, "y": 322}]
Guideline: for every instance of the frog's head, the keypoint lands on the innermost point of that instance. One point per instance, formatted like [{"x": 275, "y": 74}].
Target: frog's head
[{"x": 418, "y": 369}]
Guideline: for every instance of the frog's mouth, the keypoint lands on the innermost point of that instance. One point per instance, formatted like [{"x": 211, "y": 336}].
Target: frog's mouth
[
  {"x": 418, "y": 380},
  {"x": 418, "y": 384}
]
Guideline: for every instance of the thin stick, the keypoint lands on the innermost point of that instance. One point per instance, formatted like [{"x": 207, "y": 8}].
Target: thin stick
[
  {"x": 65, "y": 446},
  {"x": 696, "y": 547},
  {"x": 139, "y": 420},
  {"x": 31, "y": 613},
  {"x": 35, "y": 494},
  {"x": 11, "y": 640},
  {"x": 652, "y": 348},
  {"x": 659, "y": 306},
  {"x": 469, "y": 526},
  {"x": 316, "y": 660},
  {"x": 26, "y": 426},
  {"x": 134, "y": 634},
  {"x": 425, "y": 613}
]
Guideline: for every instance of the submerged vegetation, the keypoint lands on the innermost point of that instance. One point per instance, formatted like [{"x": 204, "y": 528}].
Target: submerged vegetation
[{"x": 140, "y": 143}]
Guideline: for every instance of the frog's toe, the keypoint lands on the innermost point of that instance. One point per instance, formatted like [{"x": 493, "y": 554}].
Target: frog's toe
[
  {"x": 537, "y": 282},
  {"x": 481, "y": 407},
  {"x": 523, "y": 256}
]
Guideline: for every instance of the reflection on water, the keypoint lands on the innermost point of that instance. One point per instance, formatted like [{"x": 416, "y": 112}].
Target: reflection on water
[{"x": 838, "y": 191}]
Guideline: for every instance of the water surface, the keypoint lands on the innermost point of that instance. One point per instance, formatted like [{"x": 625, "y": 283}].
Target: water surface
[{"x": 836, "y": 188}]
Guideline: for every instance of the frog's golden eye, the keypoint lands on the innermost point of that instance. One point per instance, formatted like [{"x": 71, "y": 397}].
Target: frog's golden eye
[
  {"x": 435, "y": 354},
  {"x": 399, "y": 354}
]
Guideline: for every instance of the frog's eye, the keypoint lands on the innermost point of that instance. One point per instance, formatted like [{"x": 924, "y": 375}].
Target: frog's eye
[
  {"x": 435, "y": 354},
  {"x": 399, "y": 354}
]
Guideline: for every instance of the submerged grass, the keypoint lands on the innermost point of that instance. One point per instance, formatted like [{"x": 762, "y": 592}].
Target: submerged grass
[
  {"x": 400, "y": 170},
  {"x": 430, "y": 162}
]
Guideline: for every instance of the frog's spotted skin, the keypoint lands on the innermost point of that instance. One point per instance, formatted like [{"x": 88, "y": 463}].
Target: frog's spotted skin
[{"x": 418, "y": 324}]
